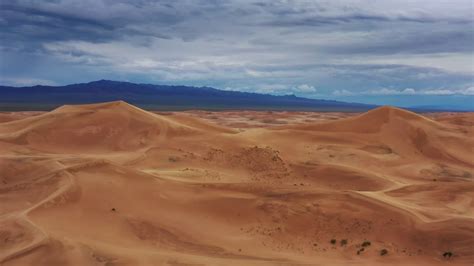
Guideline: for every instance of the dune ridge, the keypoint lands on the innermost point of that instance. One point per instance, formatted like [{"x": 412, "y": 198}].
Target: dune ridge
[
  {"x": 109, "y": 126},
  {"x": 112, "y": 184}
]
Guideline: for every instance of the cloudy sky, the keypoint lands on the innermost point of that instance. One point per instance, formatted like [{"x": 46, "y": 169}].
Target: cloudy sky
[{"x": 401, "y": 52}]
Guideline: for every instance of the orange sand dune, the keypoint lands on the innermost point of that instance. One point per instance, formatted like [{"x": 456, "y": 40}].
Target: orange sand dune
[
  {"x": 99, "y": 127},
  {"x": 111, "y": 184}
]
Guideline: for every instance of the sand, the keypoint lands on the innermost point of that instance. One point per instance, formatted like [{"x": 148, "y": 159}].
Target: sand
[{"x": 111, "y": 184}]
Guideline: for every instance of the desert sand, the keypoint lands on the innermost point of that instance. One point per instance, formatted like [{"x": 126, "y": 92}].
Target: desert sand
[{"x": 111, "y": 184}]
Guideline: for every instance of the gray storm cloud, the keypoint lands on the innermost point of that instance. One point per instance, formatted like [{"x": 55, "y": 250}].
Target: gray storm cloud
[{"x": 312, "y": 48}]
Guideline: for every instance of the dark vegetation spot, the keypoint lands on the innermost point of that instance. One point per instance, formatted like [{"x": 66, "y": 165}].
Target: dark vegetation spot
[
  {"x": 240, "y": 250},
  {"x": 173, "y": 159},
  {"x": 366, "y": 243},
  {"x": 343, "y": 242},
  {"x": 360, "y": 250},
  {"x": 333, "y": 241},
  {"x": 315, "y": 244},
  {"x": 447, "y": 254},
  {"x": 113, "y": 209},
  {"x": 383, "y": 252}
]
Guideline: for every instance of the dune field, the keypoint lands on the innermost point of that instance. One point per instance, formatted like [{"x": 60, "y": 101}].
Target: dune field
[{"x": 111, "y": 184}]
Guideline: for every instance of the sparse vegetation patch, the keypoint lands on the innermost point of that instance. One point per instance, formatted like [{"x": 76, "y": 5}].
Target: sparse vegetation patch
[{"x": 447, "y": 254}]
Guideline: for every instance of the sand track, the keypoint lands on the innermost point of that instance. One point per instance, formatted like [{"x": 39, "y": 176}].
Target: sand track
[{"x": 111, "y": 184}]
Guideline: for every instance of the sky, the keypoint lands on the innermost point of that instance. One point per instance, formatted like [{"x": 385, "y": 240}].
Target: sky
[{"x": 397, "y": 52}]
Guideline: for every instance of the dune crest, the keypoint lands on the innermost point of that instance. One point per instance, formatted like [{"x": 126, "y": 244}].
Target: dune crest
[
  {"x": 112, "y": 184},
  {"x": 110, "y": 126},
  {"x": 371, "y": 121},
  {"x": 403, "y": 132}
]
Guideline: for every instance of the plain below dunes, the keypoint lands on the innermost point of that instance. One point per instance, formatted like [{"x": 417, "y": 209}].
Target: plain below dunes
[{"x": 111, "y": 184}]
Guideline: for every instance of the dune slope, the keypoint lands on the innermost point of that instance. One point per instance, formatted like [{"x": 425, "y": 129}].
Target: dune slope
[
  {"x": 111, "y": 184},
  {"x": 115, "y": 126}
]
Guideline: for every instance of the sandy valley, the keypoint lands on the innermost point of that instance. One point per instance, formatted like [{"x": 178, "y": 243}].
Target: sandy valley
[{"x": 111, "y": 184}]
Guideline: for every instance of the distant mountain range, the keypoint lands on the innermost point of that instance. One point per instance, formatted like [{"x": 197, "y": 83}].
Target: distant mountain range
[{"x": 160, "y": 97}]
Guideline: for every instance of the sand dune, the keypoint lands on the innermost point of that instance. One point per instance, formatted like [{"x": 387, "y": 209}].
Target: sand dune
[
  {"x": 111, "y": 184},
  {"x": 111, "y": 126},
  {"x": 404, "y": 133}
]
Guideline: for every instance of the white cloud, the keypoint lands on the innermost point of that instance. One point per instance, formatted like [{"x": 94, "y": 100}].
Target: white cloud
[
  {"x": 272, "y": 88},
  {"x": 468, "y": 91},
  {"x": 304, "y": 88},
  {"x": 439, "y": 92},
  {"x": 410, "y": 91},
  {"x": 386, "y": 91},
  {"x": 18, "y": 82},
  {"x": 255, "y": 74},
  {"x": 343, "y": 93},
  {"x": 452, "y": 62}
]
